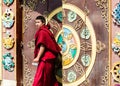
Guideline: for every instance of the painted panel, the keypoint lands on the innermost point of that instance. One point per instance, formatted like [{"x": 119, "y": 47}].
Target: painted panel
[
  {"x": 0, "y": 41},
  {"x": 115, "y": 43},
  {"x": 90, "y": 67}
]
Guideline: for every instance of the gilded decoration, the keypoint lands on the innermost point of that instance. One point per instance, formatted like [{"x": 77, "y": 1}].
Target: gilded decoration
[
  {"x": 27, "y": 18},
  {"x": 32, "y": 3},
  {"x": 116, "y": 44},
  {"x": 8, "y": 62},
  {"x": 31, "y": 44},
  {"x": 86, "y": 46},
  {"x": 8, "y": 41},
  {"x": 0, "y": 41},
  {"x": 8, "y": 18},
  {"x": 28, "y": 79},
  {"x": 8, "y": 2},
  {"x": 77, "y": 71},
  {"x": 100, "y": 46},
  {"x": 105, "y": 77},
  {"x": 103, "y": 5},
  {"x": 116, "y": 71},
  {"x": 78, "y": 24}
]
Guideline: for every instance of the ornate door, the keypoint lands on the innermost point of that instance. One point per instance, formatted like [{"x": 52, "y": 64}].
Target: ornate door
[
  {"x": 81, "y": 28},
  {"x": 33, "y": 8},
  {"x": 84, "y": 40}
]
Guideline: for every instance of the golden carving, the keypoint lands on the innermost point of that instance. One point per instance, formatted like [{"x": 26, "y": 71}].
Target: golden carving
[
  {"x": 93, "y": 42},
  {"x": 27, "y": 76},
  {"x": 100, "y": 46},
  {"x": 116, "y": 71},
  {"x": 0, "y": 39},
  {"x": 78, "y": 24},
  {"x": 86, "y": 46},
  {"x": 31, "y": 3},
  {"x": 27, "y": 18},
  {"x": 105, "y": 77},
  {"x": 31, "y": 44},
  {"x": 103, "y": 5}
]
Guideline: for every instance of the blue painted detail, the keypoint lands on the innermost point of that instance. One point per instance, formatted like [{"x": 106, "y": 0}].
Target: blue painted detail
[
  {"x": 116, "y": 14},
  {"x": 8, "y": 2},
  {"x": 72, "y": 16}
]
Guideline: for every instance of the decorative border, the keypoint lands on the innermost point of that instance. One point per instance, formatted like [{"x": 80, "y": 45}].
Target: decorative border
[
  {"x": 109, "y": 62},
  {"x": 27, "y": 79},
  {"x": 54, "y": 12},
  {"x": 78, "y": 45},
  {"x": 0, "y": 40},
  {"x": 102, "y": 4},
  {"x": 88, "y": 23}
]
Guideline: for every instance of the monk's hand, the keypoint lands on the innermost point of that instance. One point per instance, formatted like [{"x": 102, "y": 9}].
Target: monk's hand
[{"x": 36, "y": 60}]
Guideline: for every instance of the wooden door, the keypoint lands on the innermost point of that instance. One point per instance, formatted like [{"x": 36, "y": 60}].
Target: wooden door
[
  {"x": 31, "y": 10},
  {"x": 81, "y": 28},
  {"x": 85, "y": 39}
]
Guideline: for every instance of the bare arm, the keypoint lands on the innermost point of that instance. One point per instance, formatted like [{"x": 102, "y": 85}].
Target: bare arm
[{"x": 40, "y": 53}]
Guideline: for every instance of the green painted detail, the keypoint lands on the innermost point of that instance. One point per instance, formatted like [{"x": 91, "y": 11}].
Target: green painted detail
[
  {"x": 60, "y": 39},
  {"x": 8, "y": 62},
  {"x": 85, "y": 60},
  {"x": 59, "y": 16},
  {"x": 73, "y": 52},
  {"x": 72, "y": 16},
  {"x": 8, "y": 2},
  {"x": 85, "y": 34}
]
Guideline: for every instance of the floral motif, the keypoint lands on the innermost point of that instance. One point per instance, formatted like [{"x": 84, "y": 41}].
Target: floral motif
[
  {"x": 71, "y": 76},
  {"x": 72, "y": 16},
  {"x": 8, "y": 41},
  {"x": 8, "y": 62},
  {"x": 85, "y": 34},
  {"x": 8, "y": 2},
  {"x": 116, "y": 44},
  {"x": 116, "y": 71},
  {"x": 8, "y": 18},
  {"x": 85, "y": 60}
]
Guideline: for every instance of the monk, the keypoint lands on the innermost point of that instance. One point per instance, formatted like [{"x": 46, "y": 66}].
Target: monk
[{"x": 46, "y": 50}]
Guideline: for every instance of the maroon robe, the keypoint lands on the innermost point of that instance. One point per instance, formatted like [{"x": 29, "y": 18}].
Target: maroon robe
[{"x": 45, "y": 71}]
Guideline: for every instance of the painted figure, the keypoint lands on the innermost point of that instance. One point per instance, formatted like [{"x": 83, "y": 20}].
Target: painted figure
[{"x": 45, "y": 53}]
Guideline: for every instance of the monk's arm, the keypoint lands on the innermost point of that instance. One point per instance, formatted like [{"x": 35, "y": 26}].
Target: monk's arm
[{"x": 40, "y": 53}]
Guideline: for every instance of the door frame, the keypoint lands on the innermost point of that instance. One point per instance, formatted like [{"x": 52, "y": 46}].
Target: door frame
[{"x": 1, "y": 40}]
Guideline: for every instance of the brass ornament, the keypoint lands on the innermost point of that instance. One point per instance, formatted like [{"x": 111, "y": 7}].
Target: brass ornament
[
  {"x": 8, "y": 2},
  {"x": 100, "y": 46},
  {"x": 116, "y": 71},
  {"x": 8, "y": 18},
  {"x": 103, "y": 5},
  {"x": 8, "y": 41}
]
